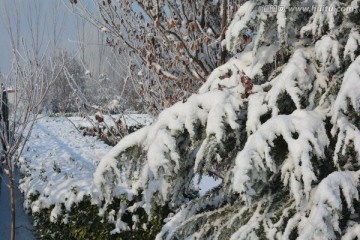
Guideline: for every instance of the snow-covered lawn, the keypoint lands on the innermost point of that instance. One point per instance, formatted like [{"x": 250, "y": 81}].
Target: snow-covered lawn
[{"x": 58, "y": 162}]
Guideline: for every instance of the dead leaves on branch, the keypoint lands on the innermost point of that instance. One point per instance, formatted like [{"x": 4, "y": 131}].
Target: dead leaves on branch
[{"x": 160, "y": 34}]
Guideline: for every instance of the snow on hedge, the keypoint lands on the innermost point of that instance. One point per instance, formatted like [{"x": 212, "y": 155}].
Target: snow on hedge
[
  {"x": 58, "y": 164},
  {"x": 128, "y": 119}
]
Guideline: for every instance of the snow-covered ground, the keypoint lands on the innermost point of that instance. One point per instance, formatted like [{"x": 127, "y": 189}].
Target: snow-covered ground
[{"x": 58, "y": 164}]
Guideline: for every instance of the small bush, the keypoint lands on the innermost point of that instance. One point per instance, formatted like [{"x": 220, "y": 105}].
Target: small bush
[{"x": 83, "y": 222}]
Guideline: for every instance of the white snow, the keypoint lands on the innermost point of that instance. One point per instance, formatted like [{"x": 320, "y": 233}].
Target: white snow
[
  {"x": 320, "y": 19},
  {"x": 352, "y": 44},
  {"x": 239, "y": 24},
  {"x": 58, "y": 163},
  {"x": 242, "y": 64},
  {"x": 348, "y": 94},
  {"x": 212, "y": 109},
  {"x": 293, "y": 79},
  {"x": 327, "y": 49},
  {"x": 253, "y": 162},
  {"x": 63, "y": 167},
  {"x": 327, "y": 206},
  {"x": 281, "y": 21},
  {"x": 349, "y": 91},
  {"x": 352, "y": 232}
]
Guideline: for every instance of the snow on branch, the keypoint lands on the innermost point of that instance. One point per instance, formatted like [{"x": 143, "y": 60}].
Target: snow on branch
[
  {"x": 345, "y": 113},
  {"x": 349, "y": 92},
  {"x": 162, "y": 164},
  {"x": 326, "y": 50},
  {"x": 295, "y": 79},
  {"x": 320, "y": 19},
  {"x": 246, "y": 64},
  {"x": 334, "y": 193},
  {"x": 240, "y": 24},
  {"x": 352, "y": 44},
  {"x": 305, "y": 135},
  {"x": 193, "y": 211},
  {"x": 352, "y": 232}
]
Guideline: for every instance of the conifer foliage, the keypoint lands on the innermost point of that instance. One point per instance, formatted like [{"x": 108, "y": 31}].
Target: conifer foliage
[{"x": 278, "y": 124}]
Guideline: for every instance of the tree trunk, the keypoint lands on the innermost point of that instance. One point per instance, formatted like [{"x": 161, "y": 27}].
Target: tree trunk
[{"x": 12, "y": 199}]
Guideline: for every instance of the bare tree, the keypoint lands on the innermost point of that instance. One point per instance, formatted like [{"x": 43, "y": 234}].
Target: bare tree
[
  {"x": 29, "y": 83},
  {"x": 173, "y": 45},
  {"x": 61, "y": 96},
  {"x": 105, "y": 70},
  {"x": 57, "y": 25},
  {"x": 30, "y": 77}
]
